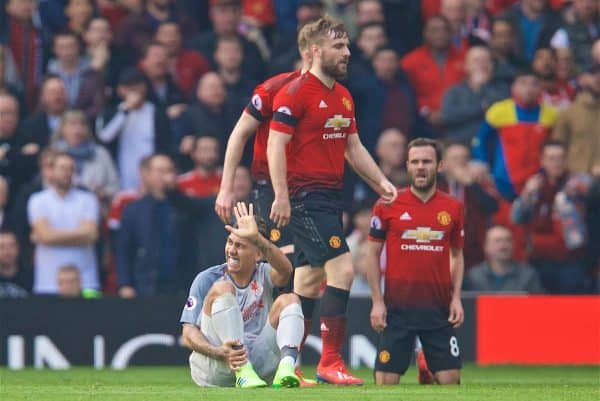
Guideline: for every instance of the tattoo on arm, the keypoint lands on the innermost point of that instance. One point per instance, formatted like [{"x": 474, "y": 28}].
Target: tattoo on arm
[{"x": 264, "y": 247}]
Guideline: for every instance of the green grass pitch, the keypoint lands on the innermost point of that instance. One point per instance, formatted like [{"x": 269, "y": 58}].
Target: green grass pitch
[{"x": 503, "y": 383}]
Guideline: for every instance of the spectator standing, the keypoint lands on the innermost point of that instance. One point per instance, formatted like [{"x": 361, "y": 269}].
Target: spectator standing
[
  {"x": 162, "y": 91},
  {"x": 432, "y": 69},
  {"x": 370, "y": 37},
  {"x": 16, "y": 156},
  {"x": 578, "y": 30},
  {"x": 85, "y": 87},
  {"x": 529, "y": 20},
  {"x": 79, "y": 13},
  {"x": 104, "y": 58},
  {"x": 136, "y": 128},
  {"x": 552, "y": 209},
  {"x": 19, "y": 209},
  {"x": 479, "y": 199},
  {"x": 94, "y": 168},
  {"x": 186, "y": 66},
  {"x": 228, "y": 57},
  {"x": 212, "y": 114},
  {"x": 503, "y": 44},
  {"x": 391, "y": 156},
  {"x": 149, "y": 246},
  {"x": 39, "y": 127},
  {"x": 6, "y": 219},
  {"x": 555, "y": 93},
  {"x": 204, "y": 180},
  {"x": 464, "y": 104},
  {"x": 500, "y": 272},
  {"x": 225, "y": 16},
  {"x": 384, "y": 99},
  {"x": 64, "y": 228},
  {"x": 12, "y": 267},
  {"x": 26, "y": 38},
  {"x": 579, "y": 125}
]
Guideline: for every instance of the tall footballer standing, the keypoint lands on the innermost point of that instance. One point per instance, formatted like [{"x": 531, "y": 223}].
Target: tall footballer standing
[
  {"x": 424, "y": 235},
  {"x": 314, "y": 118}
]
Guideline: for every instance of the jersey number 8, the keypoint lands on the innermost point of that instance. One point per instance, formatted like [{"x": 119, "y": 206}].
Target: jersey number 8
[{"x": 454, "y": 350}]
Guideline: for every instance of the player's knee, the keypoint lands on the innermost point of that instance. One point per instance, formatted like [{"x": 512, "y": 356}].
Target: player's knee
[
  {"x": 448, "y": 377},
  {"x": 287, "y": 299},
  {"x": 220, "y": 288}
]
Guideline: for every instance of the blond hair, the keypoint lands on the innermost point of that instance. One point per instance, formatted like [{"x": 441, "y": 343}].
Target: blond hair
[{"x": 313, "y": 33}]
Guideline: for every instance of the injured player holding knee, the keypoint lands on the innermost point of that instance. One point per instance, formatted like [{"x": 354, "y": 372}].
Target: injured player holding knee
[{"x": 239, "y": 336}]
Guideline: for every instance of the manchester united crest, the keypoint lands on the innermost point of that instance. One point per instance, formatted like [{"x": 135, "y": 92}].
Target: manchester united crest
[
  {"x": 274, "y": 235},
  {"x": 444, "y": 218},
  {"x": 384, "y": 356},
  {"x": 347, "y": 103},
  {"x": 335, "y": 242}
]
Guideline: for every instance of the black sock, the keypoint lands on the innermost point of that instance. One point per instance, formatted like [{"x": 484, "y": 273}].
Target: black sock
[
  {"x": 334, "y": 302},
  {"x": 308, "y": 306}
]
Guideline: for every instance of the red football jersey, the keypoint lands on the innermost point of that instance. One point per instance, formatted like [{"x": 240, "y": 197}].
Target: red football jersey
[
  {"x": 320, "y": 120},
  {"x": 194, "y": 184},
  {"x": 115, "y": 213},
  {"x": 261, "y": 108},
  {"x": 418, "y": 238}
]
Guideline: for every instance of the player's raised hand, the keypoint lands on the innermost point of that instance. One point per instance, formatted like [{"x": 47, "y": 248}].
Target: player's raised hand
[
  {"x": 457, "y": 314},
  {"x": 281, "y": 211},
  {"x": 224, "y": 205},
  {"x": 379, "y": 316},
  {"x": 389, "y": 193},
  {"x": 233, "y": 353},
  {"x": 246, "y": 224}
]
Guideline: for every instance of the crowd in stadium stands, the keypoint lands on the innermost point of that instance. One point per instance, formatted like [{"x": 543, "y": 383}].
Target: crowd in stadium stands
[{"x": 115, "y": 115}]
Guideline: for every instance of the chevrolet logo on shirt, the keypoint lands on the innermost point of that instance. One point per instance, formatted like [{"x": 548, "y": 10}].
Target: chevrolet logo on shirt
[
  {"x": 423, "y": 235},
  {"x": 338, "y": 122}
]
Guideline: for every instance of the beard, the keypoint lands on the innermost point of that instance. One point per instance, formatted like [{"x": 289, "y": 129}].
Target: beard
[
  {"x": 338, "y": 71},
  {"x": 429, "y": 183}
]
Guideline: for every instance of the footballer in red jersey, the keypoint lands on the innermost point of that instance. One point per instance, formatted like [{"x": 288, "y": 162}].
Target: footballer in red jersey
[
  {"x": 256, "y": 118},
  {"x": 423, "y": 233},
  {"x": 313, "y": 131}
]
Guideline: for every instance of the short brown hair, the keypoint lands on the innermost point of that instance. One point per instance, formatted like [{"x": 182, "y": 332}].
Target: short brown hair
[
  {"x": 422, "y": 142},
  {"x": 315, "y": 32}
]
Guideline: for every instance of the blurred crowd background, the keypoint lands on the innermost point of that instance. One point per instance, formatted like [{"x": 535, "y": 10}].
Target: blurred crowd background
[{"x": 115, "y": 114}]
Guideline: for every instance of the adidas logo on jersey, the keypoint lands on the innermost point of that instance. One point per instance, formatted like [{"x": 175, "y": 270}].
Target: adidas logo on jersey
[
  {"x": 324, "y": 327},
  {"x": 405, "y": 216},
  {"x": 323, "y": 105}
]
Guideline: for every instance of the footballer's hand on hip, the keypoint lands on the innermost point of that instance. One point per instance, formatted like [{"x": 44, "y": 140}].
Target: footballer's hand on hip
[
  {"x": 379, "y": 317},
  {"x": 281, "y": 211}
]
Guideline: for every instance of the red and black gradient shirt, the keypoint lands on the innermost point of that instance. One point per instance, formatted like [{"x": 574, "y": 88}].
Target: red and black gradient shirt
[
  {"x": 320, "y": 120},
  {"x": 418, "y": 237},
  {"x": 261, "y": 108}
]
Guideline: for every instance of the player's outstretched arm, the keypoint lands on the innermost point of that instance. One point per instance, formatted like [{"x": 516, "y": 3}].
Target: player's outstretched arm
[
  {"x": 371, "y": 263},
  {"x": 229, "y": 352},
  {"x": 362, "y": 162},
  {"x": 281, "y": 268},
  {"x": 457, "y": 271},
  {"x": 281, "y": 209},
  {"x": 243, "y": 130}
]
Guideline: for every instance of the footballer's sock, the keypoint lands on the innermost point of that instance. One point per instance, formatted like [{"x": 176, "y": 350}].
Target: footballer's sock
[
  {"x": 226, "y": 318},
  {"x": 308, "y": 309},
  {"x": 418, "y": 345},
  {"x": 333, "y": 324},
  {"x": 289, "y": 332}
]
